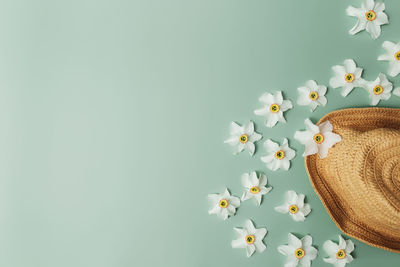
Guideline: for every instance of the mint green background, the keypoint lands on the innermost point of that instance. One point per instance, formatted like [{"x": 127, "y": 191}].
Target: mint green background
[{"x": 113, "y": 115}]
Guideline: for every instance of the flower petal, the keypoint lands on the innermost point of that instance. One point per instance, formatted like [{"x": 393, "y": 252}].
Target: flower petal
[
  {"x": 282, "y": 208},
  {"x": 286, "y": 105},
  {"x": 249, "y": 226},
  {"x": 260, "y": 247},
  {"x": 278, "y": 98},
  {"x": 239, "y": 243},
  {"x": 342, "y": 242},
  {"x": 336, "y": 82},
  {"x": 374, "y": 29},
  {"x": 253, "y": 179},
  {"x": 262, "y": 181},
  {"x": 306, "y": 209},
  {"x": 285, "y": 250},
  {"x": 271, "y": 146},
  {"x": 249, "y": 128},
  {"x": 246, "y": 180},
  {"x": 311, "y": 84},
  {"x": 360, "y": 26},
  {"x": 349, "y": 66},
  {"x": 298, "y": 217},
  {"x": 250, "y": 147},
  {"x": 267, "y": 99},
  {"x": 330, "y": 247},
  {"x": 250, "y": 250},
  {"x": 306, "y": 241},
  {"x": 294, "y": 241},
  {"x": 349, "y": 246},
  {"x": 325, "y": 127},
  {"x": 381, "y": 18},
  {"x": 235, "y": 129},
  {"x": 291, "y": 197},
  {"x": 312, "y": 252}
]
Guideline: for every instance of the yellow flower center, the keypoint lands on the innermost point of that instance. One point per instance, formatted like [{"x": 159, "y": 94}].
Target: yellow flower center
[
  {"x": 280, "y": 154},
  {"x": 370, "y": 15},
  {"x": 313, "y": 95},
  {"x": 254, "y": 190},
  {"x": 274, "y": 108},
  {"x": 299, "y": 253},
  {"x": 349, "y": 77},
  {"x": 378, "y": 90},
  {"x": 244, "y": 138},
  {"x": 250, "y": 239},
  {"x": 223, "y": 203},
  {"x": 318, "y": 138},
  {"x": 293, "y": 209},
  {"x": 341, "y": 254},
  {"x": 397, "y": 56}
]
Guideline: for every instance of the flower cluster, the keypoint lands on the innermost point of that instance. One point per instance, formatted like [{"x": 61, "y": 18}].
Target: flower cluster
[{"x": 317, "y": 139}]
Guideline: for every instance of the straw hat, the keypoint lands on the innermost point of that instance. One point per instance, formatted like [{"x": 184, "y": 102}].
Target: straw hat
[{"x": 359, "y": 181}]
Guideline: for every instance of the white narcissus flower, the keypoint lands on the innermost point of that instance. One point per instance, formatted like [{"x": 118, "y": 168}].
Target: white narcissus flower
[
  {"x": 243, "y": 137},
  {"x": 273, "y": 109},
  {"x": 393, "y": 56},
  {"x": 317, "y": 139},
  {"x": 298, "y": 251},
  {"x": 339, "y": 255},
  {"x": 380, "y": 89},
  {"x": 223, "y": 205},
  {"x": 250, "y": 238},
  {"x": 294, "y": 205},
  {"x": 278, "y": 157},
  {"x": 254, "y": 187},
  {"x": 370, "y": 17},
  {"x": 312, "y": 95},
  {"x": 347, "y": 77}
]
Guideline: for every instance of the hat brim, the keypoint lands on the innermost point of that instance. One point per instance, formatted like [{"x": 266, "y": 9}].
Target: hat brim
[{"x": 362, "y": 120}]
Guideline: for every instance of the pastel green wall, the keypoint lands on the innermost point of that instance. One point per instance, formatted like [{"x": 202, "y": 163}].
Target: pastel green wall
[{"x": 113, "y": 115}]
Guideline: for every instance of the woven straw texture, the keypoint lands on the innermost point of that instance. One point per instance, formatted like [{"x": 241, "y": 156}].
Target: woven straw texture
[{"x": 359, "y": 181}]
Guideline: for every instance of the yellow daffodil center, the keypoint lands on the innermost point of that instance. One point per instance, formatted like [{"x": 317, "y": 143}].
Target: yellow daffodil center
[
  {"x": 378, "y": 90},
  {"x": 370, "y": 15},
  {"x": 313, "y": 95},
  {"x": 244, "y": 138},
  {"x": 341, "y": 254},
  {"x": 318, "y": 138},
  {"x": 250, "y": 239},
  {"x": 397, "y": 56},
  {"x": 293, "y": 209},
  {"x": 280, "y": 154},
  {"x": 299, "y": 253},
  {"x": 274, "y": 108},
  {"x": 254, "y": 190},
  {"x": 223, "y": 203},
  {"x": 349, "y": 77}
]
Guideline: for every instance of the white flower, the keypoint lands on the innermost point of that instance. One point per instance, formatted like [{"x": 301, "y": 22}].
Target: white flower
[
  {"x": 223, "y": 205},
  {"x": 317, "y": 139},
  {"x": 379, "y": 89},
  {"x": 250, "y": 238},
  {"x": 393, "y": 56},
  {"x": 278, "y": 157},
  {"x": 370, "y": 17},
  {"x": 339, "y": 255},
  {"x": 312, "y": 95},
  {"x": 294, "y": 205},
  {"x": 347, "y": 76},
  {"x": 273, "y": 109},
  {"x": 298, "y": 251},
  {"x": 254, "y": 187},
  {"x": 243, "y": 137}
]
